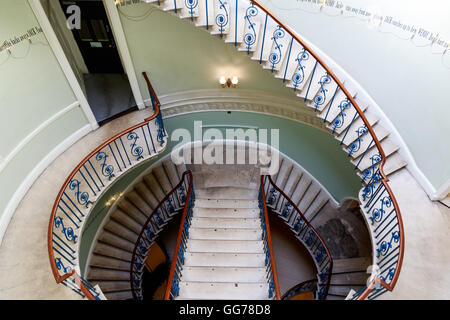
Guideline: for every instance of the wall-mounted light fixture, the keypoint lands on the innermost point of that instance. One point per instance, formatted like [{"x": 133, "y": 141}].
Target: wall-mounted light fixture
[{"x": 230, "y": 82}]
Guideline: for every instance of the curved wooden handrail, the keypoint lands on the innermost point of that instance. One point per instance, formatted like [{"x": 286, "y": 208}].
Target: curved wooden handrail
[
  {"x": 312, "y": 228},
  {"x": 150, "y": 88},
  {"x": 180, "y": 234},
  {"x": 269, "y": 241},
  {"x": 301, "y": 284},
  {"x": 182, "y": 180},
  {"x": 56, "y": 274},
  {"x": 361, "y": 114}
]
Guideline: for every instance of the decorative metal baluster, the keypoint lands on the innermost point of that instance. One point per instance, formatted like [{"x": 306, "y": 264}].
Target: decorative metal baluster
[
  {"x": 250, "y": 37},
  {"x": 82, "y": 197},
  {"x": 222, "y": 18},
  {"x": 356, "y": 145},
  {"x": 377, "y": 213},
  {"x": 299, "y": 75},
  {"x": 275, "y": 57},
  {"x": 135, "y": 150},
  {"x": 68, "y": 232},
  {"x": 321, "y": 97},
  {"x": 107, "y": 169},
  {"x": 191, "y": 5},
  {"x": 385, "y": 246},
  {"x": 339, "y": 121}
]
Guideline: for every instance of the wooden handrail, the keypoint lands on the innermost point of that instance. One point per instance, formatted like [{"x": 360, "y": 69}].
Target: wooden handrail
[
  {"x": 269, "y": 242},
  {"x": 361, "y": 114},
  {"x": 58, "y": 277},
  {"x": 312, "y": 228},
  {"x": 180, "y": 234},
  {"x": 150, "y": 88},
  {"x": 183, "y": 176}
]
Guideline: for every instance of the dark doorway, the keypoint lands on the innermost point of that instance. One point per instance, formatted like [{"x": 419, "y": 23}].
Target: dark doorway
[
  {"x": 95, "y": 38},
  {"x": 107, "y": 86}
]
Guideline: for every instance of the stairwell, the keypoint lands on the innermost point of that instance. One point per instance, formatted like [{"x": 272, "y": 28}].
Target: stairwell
[{"x": 225, "y": 257}]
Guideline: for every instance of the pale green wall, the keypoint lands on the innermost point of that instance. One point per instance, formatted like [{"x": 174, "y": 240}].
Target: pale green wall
[
  {"x": 315, "y": 150},
  {"x": 180, "y": 57},
  {"x": 409, "y": 83},
  {"x": 33, "y": 88}
]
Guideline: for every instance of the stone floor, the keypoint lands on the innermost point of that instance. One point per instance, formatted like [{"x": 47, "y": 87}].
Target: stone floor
[
  {"x": 24, "y": 264},
  {"x": 426, "y": 264},
  {"x": 108, "y": 94}
]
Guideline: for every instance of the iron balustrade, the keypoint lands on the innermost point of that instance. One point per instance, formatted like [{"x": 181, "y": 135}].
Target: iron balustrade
[
  {"x": 169, "y": 206},
  {"x": 271, "y": 269},
  {"x": 173, "y": 289},
  {"x": 86, "y": 183},
  {"x": 281, "y": 204}
]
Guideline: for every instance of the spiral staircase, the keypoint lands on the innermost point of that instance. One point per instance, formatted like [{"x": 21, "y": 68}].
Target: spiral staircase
[{"x": 157, "y": 198}]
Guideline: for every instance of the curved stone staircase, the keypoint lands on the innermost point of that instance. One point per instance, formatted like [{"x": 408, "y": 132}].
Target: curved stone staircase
[
  {"x": 110, "y": 260},
  {"x": 223, "y": 245},
  {"x": 367, "y": 143},
  {"x": 252, "y": 29}
]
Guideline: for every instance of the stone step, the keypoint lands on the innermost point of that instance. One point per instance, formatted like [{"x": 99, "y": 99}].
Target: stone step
[
  {"x": 116, "y": 241},
  {"x": 231, "y": 246},
  {"x": 226, "y": 203},
  {"x": 320, "y": 201},
  {"x": 163, "y": 180},
  {"x": 309, "y": 197},
  {"x": 121, "y": 231},
  {"x": 351, "y": 265},
  {"x": 225, "y": 223},
  {"x": 354, "y": 278},
  {"x": 139, "y": 203},
  {"x": 125, "y": 220},
  {"x": 110, "y": 251},
  {"x": 171, "y": 171},
  {"x": 223, "y": 193},
  {"x": 394, "y": 163},
  {"x": 97, "y": 274},
  {"x": 389, "y": 147},
  {"x": 350, "y": 135},
  {"x": 119, "y": 295},
  {"x": 224, "y": 234},
  {"x": 342, "y": 290},
  {"x": 113, "y": 286},
  {"x": 225, "y": 213},
  {"x": 109, "y": 263},
  {"x": 202, "y": 259},
  {"x": 223, "y": 290},
  {"x": 146, "y": 194},
  {"x": 223, "y": 274}
]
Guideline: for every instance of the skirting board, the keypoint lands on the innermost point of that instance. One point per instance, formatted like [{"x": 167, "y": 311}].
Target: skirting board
[{"x": 7, "y": 215}]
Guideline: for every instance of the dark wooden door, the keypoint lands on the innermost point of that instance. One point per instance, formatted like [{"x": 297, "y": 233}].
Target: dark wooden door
[{"x": 95, "y": 38}]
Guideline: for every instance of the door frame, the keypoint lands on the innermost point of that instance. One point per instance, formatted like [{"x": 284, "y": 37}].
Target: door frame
[{"x": 122, "y": 47}]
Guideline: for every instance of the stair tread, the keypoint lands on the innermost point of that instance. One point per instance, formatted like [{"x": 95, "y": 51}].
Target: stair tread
[
  {"x": 207, "y": 222},
  {"x": 236, "y": 246},
  {"x": 223, "y": 274},
  {"x": 224, "y": 233},
  {"x": 224, "y": 259},
  {"x": 223, "y": 290},
  {"x": 226, "y": 203},
  {"x": 225, "y": 213}
]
